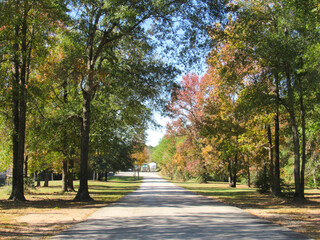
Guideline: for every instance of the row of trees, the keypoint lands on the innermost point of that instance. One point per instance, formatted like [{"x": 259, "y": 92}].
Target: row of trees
[
  {"x": 256, "y": 110},
  {"x": 79, "y": 80}
]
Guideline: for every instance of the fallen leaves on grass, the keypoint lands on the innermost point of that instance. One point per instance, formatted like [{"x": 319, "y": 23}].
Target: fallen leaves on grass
[{"x": 48, "y": 211}]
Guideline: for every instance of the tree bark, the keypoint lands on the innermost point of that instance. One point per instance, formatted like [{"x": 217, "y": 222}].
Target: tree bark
[
  {"x": 204, "y": 174},
  {"x": 295, "y": 137},
  {"x": 17, "y": 193},
  {"x": 303, "y": 147},
  {"x": 64, "y": 175},
  {"x": 235, "y": 169},
  {"x": 230, "y": 174},
  {"x": 106, "y": 176},
  {"x": 88, "y": 94},
  {"x": 67, "y": 175},
  {"x": 38, "y": 179},
  {"x": 277, "y": 187},
  {"x": 270, "y": 150},
  {"x": 67, "y": 163},
  {"x": 19, "y": 105},
  {"x": 248, "y": 174},
  {"x": 70, "y": 175},
  {"x": 100, "y": 176},
  {"x": 83, "y": 191},
  {"x": 65, "y": 144},
  {"x": 46, "y": 178}
]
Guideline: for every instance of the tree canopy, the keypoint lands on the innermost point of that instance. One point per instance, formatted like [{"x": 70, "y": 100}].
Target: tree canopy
[{"x": 80, "y": 79}]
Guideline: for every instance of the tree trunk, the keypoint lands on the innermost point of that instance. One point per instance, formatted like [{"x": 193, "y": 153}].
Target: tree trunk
[
  {"x": 106, "y": 175},
  {"x": 277, "y": 187},
  {"x": 230, "y": 174},
  {"x": 64, "y": 175},
  {"x": 248, "y": 174},
  {"x": 204, "y": 174},
  {"x": 19, "y": 108},
  {"x": 83, "y": 191},
  {"x": 295, "y": 138},
  {"x": 303, "y": 147},
  {"x": 296, "y": 145},
  {"x": 26, "y": 167},
  {"x": 70, "y": 175},
  {"x": 67, "y": 178},
  {"x": 271, "y": 172},
  {"x": 46, "y": 178},
  {"x": 38, "y": 179},
  {"x": 17, "y": 193},
  {"x": 100, "y": 176},
  {"x": 235, "y": 169}
]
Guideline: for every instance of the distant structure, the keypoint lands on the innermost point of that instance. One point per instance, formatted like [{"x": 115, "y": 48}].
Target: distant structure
[
  {"x": 144, "y": 168},
  {"x": 152, "y": 166}
]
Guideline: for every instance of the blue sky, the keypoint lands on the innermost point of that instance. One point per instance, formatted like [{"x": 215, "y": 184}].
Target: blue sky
[{"x": 155, "y": 135}]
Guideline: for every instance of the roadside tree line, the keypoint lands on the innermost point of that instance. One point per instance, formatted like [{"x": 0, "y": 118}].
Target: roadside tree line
[
  {"x": 254, "y": 115},
  {"x": 79, "y": 80}
]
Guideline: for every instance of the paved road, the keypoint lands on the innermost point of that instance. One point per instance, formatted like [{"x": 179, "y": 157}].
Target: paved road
[{"x": 161, "y": 210}]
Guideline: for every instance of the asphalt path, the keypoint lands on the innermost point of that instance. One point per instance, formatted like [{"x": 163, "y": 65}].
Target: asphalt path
[{"x": 161, "y": 210}]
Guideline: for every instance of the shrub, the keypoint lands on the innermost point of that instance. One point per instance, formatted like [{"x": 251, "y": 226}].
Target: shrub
[{"x": 262, "y": 181}]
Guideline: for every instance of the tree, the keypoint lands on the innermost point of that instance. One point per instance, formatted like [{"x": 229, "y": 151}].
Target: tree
[
  {"x": 140, "y": 155},
  {"x": 103, "y": 26},
  {"x": 186, "y": 109},
  {"x": 23, "y": 41},
  {"x": 163, "y": 155}
]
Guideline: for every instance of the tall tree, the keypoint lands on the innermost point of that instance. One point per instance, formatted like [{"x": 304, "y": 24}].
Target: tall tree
[
  {"x": 104, "y": 24},
  {"x": 186, "y": 109},
  {"x": 25, "y": 31}
]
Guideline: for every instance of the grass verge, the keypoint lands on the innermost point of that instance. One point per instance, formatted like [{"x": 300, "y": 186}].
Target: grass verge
[
  {"x": 48, "y": 211},
  {"x": 302, "y": 217}
]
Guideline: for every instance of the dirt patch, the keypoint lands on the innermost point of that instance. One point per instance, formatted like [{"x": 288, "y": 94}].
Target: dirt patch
[
  {"x": 54, "y": 216},
  {"x": 48, "y": 211},
  {"x": 35, "y": 224}
]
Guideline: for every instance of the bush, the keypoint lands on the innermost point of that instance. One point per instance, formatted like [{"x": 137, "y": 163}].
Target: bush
[
  {"x": 2, "y": 181},
  {"x": 287, "y": 189},
  {"x": 29, "y": 183},
  {"x": 262, "y": 181}
]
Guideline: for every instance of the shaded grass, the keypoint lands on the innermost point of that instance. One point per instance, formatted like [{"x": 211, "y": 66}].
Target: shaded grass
[
  {"x": 57, "y": 209},
  {"x": 301, "y": 216}
]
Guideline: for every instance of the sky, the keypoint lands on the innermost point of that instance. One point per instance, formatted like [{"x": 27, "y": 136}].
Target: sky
[{"x": 155, "y": 135}]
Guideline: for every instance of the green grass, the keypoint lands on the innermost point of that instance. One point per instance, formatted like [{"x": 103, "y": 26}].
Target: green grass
[
  {"x": 222, "y": 191},
  {"x": 115, "y": 187}
]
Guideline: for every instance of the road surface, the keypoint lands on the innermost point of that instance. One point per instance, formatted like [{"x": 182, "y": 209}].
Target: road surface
[{"x": 161, "y": 210}]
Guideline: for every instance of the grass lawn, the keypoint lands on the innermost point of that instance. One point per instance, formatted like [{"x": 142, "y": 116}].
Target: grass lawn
[
  {"x": 302, "y": 217},
  {"x": 47, "y": 211}
]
